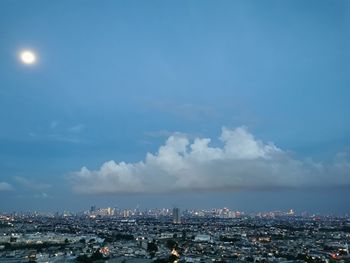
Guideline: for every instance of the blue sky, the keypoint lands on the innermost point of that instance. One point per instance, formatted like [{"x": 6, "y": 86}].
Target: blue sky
[{"x": 115, "y": 79}]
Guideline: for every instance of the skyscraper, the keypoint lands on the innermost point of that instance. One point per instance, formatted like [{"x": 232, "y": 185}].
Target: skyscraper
[{"x": 176, "y": 216}]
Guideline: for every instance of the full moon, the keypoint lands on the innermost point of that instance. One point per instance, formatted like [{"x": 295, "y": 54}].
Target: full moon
[{"x": 27, "y": 57}]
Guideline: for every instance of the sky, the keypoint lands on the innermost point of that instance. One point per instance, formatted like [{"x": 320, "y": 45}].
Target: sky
[{"x": 195, "y": 104}]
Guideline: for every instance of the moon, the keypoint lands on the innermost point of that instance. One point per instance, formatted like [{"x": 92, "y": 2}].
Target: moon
[{"x": 28, "y": 57}]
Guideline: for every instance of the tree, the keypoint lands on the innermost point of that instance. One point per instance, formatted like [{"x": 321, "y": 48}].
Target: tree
[
  {"x": 152, "y": 248},
  {"x": 184, "y": 234},
  {"x": 84, "y": 259},
  {"x": 96, "y": 255},
  {"x": 171, "y": 243}
]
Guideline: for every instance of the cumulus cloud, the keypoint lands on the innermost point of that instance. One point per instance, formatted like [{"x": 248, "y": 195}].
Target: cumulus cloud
[
  {"x": 4, "y": 187},
  {"x": 241, "y": 162}
]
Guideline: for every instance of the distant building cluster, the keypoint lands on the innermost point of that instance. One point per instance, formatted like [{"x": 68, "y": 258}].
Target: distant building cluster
[
  {"x": 173, "y": 235},
  {"x": 175, "y": 213}
]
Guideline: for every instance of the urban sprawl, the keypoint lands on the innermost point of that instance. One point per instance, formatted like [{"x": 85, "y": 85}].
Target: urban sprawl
[{"x": 173, "y": 235}]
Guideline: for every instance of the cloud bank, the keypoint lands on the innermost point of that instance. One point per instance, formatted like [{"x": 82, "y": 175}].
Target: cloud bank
[{"x": 242, "y": 162}]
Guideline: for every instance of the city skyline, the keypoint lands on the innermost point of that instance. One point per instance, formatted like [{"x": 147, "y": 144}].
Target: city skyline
[
  {"x": 175, "y": 214},
  {"x": 182, "y": 104}
]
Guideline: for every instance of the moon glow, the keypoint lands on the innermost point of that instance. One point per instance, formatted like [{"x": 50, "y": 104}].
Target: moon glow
[{"x": 28, "y": 57}]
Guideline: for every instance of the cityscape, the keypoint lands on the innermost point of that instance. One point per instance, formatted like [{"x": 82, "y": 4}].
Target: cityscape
[
  {"x": 173, "y": 235},
  {"x": 177, "y": 131}
]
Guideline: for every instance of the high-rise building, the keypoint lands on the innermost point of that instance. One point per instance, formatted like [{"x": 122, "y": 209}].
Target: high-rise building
[
  {"x": 176, "y": 216},
  {"x": 290, "y": 212},
  {"x": 126, "y": 213}
]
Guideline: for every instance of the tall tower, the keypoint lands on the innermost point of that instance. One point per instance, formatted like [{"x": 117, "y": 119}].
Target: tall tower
[{"x": 176, "y": 216}]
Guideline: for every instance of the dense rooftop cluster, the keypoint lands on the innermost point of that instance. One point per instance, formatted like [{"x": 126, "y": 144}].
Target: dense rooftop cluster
[{"x": 202, "y": 236}]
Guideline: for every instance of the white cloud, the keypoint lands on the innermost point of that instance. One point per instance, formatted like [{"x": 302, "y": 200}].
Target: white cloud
[
  {"x": 242, "y": 162},
  {"x": 4, "y": 187}
]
